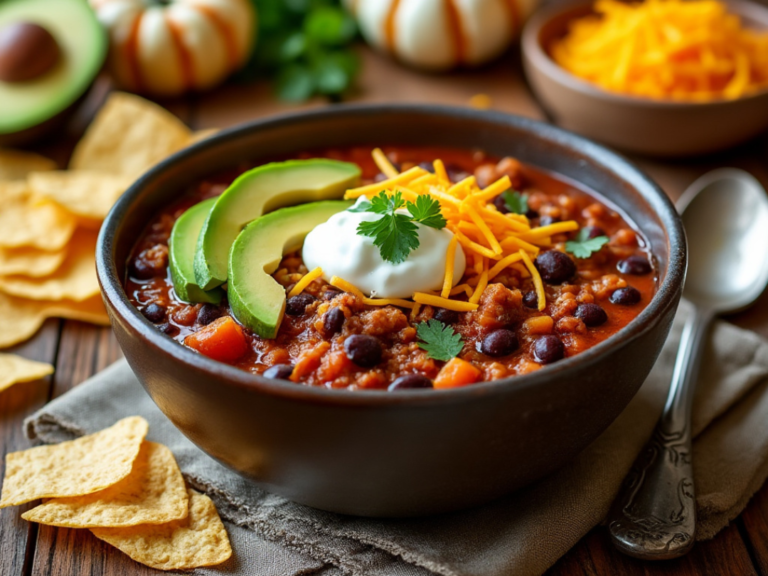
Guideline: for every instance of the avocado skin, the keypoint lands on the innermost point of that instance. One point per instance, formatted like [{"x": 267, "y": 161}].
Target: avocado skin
[
  {"x": 256, "y": 299},
  {"x": 258, "y": 192},
  {"x": 181, "y": 248}
]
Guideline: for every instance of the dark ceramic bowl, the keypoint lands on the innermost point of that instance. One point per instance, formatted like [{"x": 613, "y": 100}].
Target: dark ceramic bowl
[{"x": 412, "y": 452}]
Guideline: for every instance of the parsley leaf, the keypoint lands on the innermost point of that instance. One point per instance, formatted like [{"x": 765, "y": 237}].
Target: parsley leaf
[
  {"x": 426, "y": 211},
  {"x": 439, "y": 340},
  {"x": 515, "y": 202},
  {"x": 394, "y": 234},
  {"x": 362, "y": 206},
  {"x": 397, "y": 234},
  {"x": 584, "y": 246}
]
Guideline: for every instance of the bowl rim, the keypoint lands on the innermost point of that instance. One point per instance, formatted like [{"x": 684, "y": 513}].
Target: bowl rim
[
  {"x": 539, "y": 58},
  {"x": 667, "y": 293}
]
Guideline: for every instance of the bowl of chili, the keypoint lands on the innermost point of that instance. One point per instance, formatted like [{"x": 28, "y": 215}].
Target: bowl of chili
[{"x": 355, "y": 443}]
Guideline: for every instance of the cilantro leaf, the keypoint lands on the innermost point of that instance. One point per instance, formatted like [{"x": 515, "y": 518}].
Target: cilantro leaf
[
  {"x": 516, "y": 202},
  {"x": 439, "y": 340},
  {"x": 395, "y": 235},
  {"x": 426, "y": 211},
  {"x": 362, "y": 206},
  {"x": 584, "y": 246}
]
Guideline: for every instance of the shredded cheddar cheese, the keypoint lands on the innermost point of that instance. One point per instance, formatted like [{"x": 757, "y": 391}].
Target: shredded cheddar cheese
[
  {"x": 666, "y": 49},
  {"x": 537, "y": 283},
  {"x": 492, "y": 241},
  {"x": 308, "y": 278}
]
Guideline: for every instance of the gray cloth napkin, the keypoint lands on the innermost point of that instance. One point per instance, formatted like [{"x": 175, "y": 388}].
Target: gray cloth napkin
[{"x": 523, "y": 534}]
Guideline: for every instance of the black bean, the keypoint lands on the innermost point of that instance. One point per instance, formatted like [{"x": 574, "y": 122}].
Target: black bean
[
  {"x": 531, "y": 214},
  {"x": 143, "y": 270},
  {"x": 363, "y": 350},
  {"x": 531, "y": 300},
  {"x": 548, "y": 349},
  {"x": 297, "y": 305},
  {"x": 428, "y": 166},
  {"x": 411, "y": 381},
  {"x": 446, "y": 316},
  {"x": 330, "y": 293},
  {"x": 456, "y": 173},
  {"x": 333, "y": 320},
  {"x": 548, "y": 220},
  {"x": 167, "y": 328},
  {"x": 637, "y": 265},
  {"x": 555, "y": 267},
  {"x": 500, "y": 342},
  {"x": 155, "y": 313},
  {"x": 208, "y": 313},
  {"x": 595, "y": 231},
  {"x": 626, "y": 296},
  {"x": 591, "y": 314},
  {"x": 500, "y": 204},
  {"x": 278, "y": 372}
]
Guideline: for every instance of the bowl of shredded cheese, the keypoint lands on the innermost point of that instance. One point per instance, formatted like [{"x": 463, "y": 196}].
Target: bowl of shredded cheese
[{"x": 658, "y": 77}]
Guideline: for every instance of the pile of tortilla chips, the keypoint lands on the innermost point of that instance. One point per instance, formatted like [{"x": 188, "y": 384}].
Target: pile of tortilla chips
[
  {"x": 126, "y": 490},
  {"x": 49, "y": 219}
]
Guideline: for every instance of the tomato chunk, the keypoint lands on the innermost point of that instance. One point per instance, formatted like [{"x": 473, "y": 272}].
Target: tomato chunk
[
  {"x": 222, "y": 340},
  {"x": 457, "y": 373}
]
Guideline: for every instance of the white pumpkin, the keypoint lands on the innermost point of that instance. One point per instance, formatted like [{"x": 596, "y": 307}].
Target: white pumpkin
[
  {"x": 168, "y": 48},
  {"x": 441, "y": 34}
]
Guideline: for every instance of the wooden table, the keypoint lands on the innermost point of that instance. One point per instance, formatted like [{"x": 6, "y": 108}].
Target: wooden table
[{"x": 79, "y": 350}]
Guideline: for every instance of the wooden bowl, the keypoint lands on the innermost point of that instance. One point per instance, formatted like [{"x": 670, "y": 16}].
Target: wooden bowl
[
  {"x": 635, "y": 124},
  {"x": 375, "y": 453}
]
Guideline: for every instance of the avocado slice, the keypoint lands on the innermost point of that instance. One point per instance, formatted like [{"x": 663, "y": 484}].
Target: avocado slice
[
  {"x": 181, "y": 245},
  {"x": 257, "y": 192},
  {"x": 256, "y": 299},
  {"x": 83, "y": 46}
]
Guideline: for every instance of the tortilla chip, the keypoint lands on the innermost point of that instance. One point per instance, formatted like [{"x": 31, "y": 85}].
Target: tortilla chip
[
  {"x": 27, "y": 220},
  {"x": 153, "y": 493},
  {"x": 199, "y": 540},
  {"x": 73, "y": 468},
  {"x": 15, "y": 369},
  {"x": 128, "y": 136},
  {"x": 30, "y": 262},
  {"x": 21, "y": 318},
  {"x": 83, "y": 193},
  {"x": 75, "y": 280},
  {"x": 16, "y": 165}
]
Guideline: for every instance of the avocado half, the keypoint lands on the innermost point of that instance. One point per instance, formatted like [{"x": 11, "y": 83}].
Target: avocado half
[
  {"x": 29, "y": 107},
  {"x": 257, "y": 192},
  {"x": 256, "y": 299}
]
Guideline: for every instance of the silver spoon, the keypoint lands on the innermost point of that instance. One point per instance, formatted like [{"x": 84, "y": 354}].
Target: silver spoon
[{"x": 725, "y": 213}]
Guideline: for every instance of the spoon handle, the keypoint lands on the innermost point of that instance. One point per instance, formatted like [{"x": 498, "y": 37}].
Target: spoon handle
[{"x": 654, "y": 516}]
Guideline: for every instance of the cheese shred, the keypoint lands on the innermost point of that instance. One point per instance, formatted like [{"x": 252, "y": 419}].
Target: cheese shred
[
  {"x": 537, "y": 283},
  {"x": 308, "y": 278}
]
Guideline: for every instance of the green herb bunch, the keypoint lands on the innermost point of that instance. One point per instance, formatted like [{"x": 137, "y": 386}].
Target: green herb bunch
[{"x": 304, "y": 46}]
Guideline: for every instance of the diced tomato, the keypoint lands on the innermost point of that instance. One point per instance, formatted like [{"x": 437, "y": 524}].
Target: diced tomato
[
  {"x": 222, "y": 340},
  {"x": 457, "y": 373}
]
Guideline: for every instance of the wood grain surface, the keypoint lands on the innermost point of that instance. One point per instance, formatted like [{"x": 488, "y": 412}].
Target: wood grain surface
[{"x": 79, "y": 351}]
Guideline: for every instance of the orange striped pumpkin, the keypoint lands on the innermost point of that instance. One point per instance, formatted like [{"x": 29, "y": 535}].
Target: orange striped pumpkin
[
  {"x": 441, "y": 34},
  {"x": 169, "y": 47}
]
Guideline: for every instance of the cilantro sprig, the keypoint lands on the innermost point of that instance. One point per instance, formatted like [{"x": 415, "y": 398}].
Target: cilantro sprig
[
  {"x": 515, "y": 202},
  {"x": 439, "y": 340},
  {"x": 584, "y": 246},
  {"x": 396, "y": 234}
]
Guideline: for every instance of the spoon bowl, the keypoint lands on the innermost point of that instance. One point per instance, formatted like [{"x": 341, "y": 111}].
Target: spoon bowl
[{"x": 725, "y": 214}]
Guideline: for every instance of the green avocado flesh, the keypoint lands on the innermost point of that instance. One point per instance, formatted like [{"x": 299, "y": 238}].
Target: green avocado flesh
[
  {"x": 83, "y": 46},
  {"x": 257, "y": 192},
  {"x": 256, "y": 299},
  {"x": 182, "y": 244}
]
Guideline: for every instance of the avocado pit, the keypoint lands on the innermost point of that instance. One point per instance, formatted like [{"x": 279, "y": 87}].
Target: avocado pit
[{"x": 27, "y": 51}]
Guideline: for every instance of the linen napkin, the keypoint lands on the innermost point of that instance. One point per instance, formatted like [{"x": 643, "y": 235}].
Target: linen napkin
[{"x": 522, "y": 534}]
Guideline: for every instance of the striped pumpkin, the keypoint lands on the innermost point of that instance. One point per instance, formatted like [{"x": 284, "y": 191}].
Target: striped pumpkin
[
  {"x": 441, "y": 34},
  {"x": 166, "y": 48}
]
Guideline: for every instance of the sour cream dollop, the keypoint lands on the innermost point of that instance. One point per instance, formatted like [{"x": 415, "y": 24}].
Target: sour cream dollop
[{"x": 336, "y": 247}]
